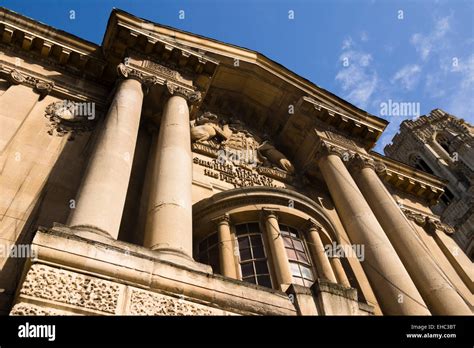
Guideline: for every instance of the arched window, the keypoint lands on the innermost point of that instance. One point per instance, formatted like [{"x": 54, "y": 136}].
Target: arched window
[
  {"x": 209, "y": 252},
  {"x": 253, "y": 258},
  {"x": 297, "y": 256},
  {"x": 447, "y": 197},
  {"x": 444, "y": 142},
  {"x": 419, "y": 163}
]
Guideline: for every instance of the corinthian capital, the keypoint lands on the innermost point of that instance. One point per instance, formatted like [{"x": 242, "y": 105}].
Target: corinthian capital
[
  {"x": 326, "y": 149},
  {"x": 360, "y": 162},
  {"x": 125, "y": 71},
  {"x": 191, "y": 95}
]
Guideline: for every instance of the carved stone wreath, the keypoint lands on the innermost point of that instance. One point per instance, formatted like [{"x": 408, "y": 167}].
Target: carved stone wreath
[{"x": 64, "y": 119}]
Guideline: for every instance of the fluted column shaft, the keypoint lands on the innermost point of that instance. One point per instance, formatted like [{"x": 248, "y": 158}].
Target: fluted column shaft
[
  {"x": 226, "y": 250},
  {"x": 169, "y": 217},
  {"x": 391, "y": 283},
  {"x": 103, "y": 190},
  {"x": 277, "y": 247},
  {"x": 439, "y": 295},
  {"x": 320, "y": 258}
]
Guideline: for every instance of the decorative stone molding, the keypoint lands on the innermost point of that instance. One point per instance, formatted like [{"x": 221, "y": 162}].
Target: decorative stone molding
[
  {"x": 40, "y": 86},
  {"x": 266, "y": 213},
  {"x": 347, "y": 123},
  {"x": 429, "y": 223},
  {"x": 16, "y": 77},
  {"x": 53, "y": 284},
  {"x": 326, "y": 149},
  {"x": 223, "y": 219},
  {"x": 148, "y": 303},
  {"x": 125, "y": 71},
  {"x": 192, "y": 96},
  {"x": 65, "y": 119},
  {"x": 360, "y": 162},
  {"x": 312, "y": 225}
]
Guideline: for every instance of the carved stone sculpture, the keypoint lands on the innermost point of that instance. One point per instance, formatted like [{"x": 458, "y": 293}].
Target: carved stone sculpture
[
  {"x": 270, "y": 154},
  {"x": 207, "y": 127}
]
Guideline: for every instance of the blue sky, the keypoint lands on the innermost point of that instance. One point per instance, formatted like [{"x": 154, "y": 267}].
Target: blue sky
[{"x": 366, "y": 51}]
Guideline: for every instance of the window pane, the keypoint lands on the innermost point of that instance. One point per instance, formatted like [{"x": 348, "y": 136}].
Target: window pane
[
  {"x": 264, "y": 281},
  {"x": 250, "y": 280},
  {"x": 291, "y": 254},
  {"x": 247, "y": 269},
  {"x": 295, "y": 270},
  {"x": 287, "y": 242},
  {"x": 213, "y": 255},
  {"x": 256, "y": 240},
  {"x": 302, "y": 256},
  {"x": 245, "y": 254},
  {"x": 306, "y": 272},
  {"x": 203, "y": 258},
  {"x": 253, "y": 227},
  {"x": 298, "y": 245},
  {"x": 244, "y": 242},
  {"x": 241, "y": 229},
  {"x": 258, "y": 253},
  {"x": 261, "y": 267},
  {"x": 203, "y": 245},
  {"x": 284, "y": 233},
  {"x": 213, "y": 239}
]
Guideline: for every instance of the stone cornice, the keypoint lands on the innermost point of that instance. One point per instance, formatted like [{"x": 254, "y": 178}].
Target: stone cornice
[
  {"x": 138, "y": 30},
  {"x": 429, "y": 222},
  {"x": 49, "y": 43},
  {"x": 41, "y": 86},
  {"x": 409, "y": 179},
  {"x": 130, "y": 30},
  {"x": 369, "y": 129},
  {"x": 44, "y": 86}
]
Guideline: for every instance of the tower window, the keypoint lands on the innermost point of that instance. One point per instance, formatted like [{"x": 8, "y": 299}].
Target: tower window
[{"x": 447, "y": 197}]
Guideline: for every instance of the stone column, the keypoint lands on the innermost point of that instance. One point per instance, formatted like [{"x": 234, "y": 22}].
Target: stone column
[
  {"x": 281, "y": 264},
  {"x": 437, "y": 292},
  {"x": 392, "y": 285},
  {"x": 226, "y": 248},
  {"x": 339, "y": 271},
  {"x": 320, "y": 258},
  {"x": 169, "y": 218},
  {"x": 103, "y": 190}
]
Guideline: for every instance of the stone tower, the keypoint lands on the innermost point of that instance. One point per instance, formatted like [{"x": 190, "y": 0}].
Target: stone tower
[{"x": 443, "y": 145}]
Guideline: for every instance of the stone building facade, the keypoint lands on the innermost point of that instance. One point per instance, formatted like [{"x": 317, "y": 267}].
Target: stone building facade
[
  {"x": 443, "y": 145},
  {"x": 164, "y": 173}
]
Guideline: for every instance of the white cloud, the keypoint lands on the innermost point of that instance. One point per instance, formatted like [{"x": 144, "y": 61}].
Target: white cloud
[
  {"x": 408, "y": 76},
  {"x": 357, "y": 78},
  {"x": 462, "y": 100},
  {"x": 425, "y": 44},
  {"x": 347, "y": 43},
  {"x": 364, "y": 37}
]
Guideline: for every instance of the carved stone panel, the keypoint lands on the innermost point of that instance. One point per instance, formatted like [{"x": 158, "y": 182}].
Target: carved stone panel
[
  {"x": 70, "y": 288},
  {"x": 239, "y": 150},
  {"x": 149, "y": 303}
]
